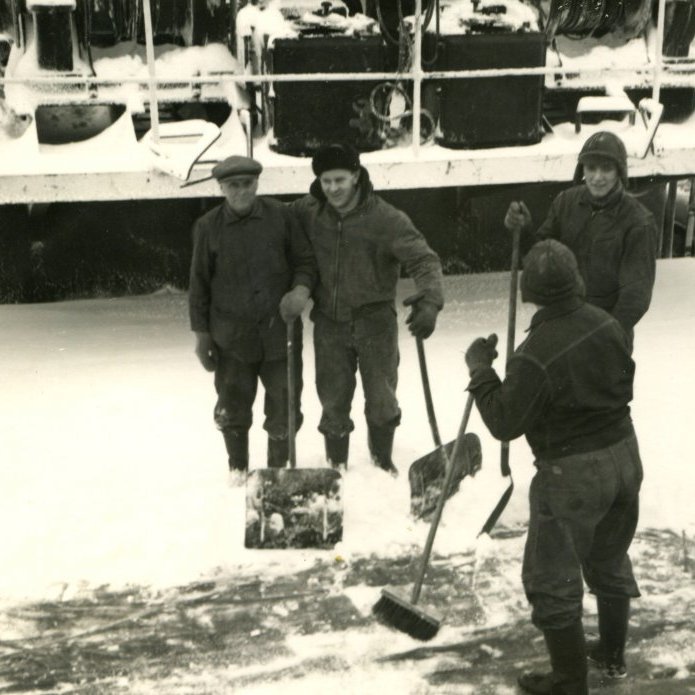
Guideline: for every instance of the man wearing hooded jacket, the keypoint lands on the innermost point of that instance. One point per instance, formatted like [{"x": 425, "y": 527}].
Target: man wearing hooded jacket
[
  {"x": 567, "y": 388},
  {"x": 612, "y": 235},
  {"x": 360, "y": 243}
]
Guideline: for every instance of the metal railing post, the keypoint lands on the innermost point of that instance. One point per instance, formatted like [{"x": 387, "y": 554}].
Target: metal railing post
[
  {"x": 417, "y": 77},
  {"x": 152, "y": 82},
  {"x": 666, "y": 250},
  {"x": 658, "y": 51}
]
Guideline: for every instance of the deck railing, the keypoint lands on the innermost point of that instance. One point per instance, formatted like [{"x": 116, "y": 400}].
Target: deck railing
[{"x": 651, "y": 75}]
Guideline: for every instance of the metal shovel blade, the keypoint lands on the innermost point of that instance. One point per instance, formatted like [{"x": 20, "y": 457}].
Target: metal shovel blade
[
  {"x": 294, "y": 508},
  {"x": 426, "y": 475}
]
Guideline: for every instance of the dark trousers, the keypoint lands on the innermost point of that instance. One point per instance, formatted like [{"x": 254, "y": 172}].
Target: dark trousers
[
  {"x": 236, "y": 383},
  {"x": 584, "y": 511},
  {"x": 369, "y": 343}
]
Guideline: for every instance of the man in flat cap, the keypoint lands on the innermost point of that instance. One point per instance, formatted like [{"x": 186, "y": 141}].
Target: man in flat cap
[
  {"x": 360, "y": 243},
  {"x": 568, "y": 387},
  {"x": 252, "y": 270}
]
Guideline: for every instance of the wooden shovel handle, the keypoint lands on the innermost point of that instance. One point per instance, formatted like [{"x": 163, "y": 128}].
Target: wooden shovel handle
[
  {"x": 450, "y": 469},
  {"x": 511, "y": 330},
  {"x": 291, "y": 405},
  {"x": 428, "y": 392}
]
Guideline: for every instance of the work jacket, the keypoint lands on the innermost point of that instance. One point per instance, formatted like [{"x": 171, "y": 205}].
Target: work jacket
[
  {"x": 568, "y": 385},
  {"x": 241, "y": 268},
  {"x": 359, "y": 255},
  {"x": 615, "y": 244}
]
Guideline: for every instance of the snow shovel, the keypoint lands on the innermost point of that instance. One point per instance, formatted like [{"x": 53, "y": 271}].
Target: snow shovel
[
  {"x": 292, "y": 507},
  {"x": 426, "y": 475},
  {"x": 511, "y": 329},
  {"x": 406, "y": 616}
]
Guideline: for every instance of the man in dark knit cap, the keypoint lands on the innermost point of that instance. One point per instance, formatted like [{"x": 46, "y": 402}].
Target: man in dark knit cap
[
  {"x": 567, "y": 389},
  {"x": 252, "y": 270},
  {"x": 612, "y": 235},
  {"x": 360, "y": 243}
]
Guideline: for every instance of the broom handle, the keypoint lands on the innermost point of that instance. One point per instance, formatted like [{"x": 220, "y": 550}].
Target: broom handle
[
  {"x": 428, "y": 392},
  {"x": 440, "y": 503},
  {"x": 291, "y": 380},
  {"x": 511, "y": 330}
]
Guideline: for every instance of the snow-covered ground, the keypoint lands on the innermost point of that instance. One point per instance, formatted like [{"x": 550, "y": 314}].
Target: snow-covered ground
[
  {"x": 112, "y": 472},
  {"x": 115, "y": 515}
]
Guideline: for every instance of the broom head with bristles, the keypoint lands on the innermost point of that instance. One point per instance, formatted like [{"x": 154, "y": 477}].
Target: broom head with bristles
[{"x": 395, "y": 612}]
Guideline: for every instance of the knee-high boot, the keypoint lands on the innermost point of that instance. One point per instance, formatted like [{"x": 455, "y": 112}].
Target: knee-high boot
[
  {"x": 567, "y": 652},
  {"x": 609, "y": 653},
  {"x": 337, "y": 449},
  {"x": 237, "y": 444},
  {"x": 381, "y": 447},
  {"x": 278, "y": 452}
]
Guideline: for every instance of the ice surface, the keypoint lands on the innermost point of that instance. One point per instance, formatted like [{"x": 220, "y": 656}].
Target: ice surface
[{"x": 112, "y": 471}]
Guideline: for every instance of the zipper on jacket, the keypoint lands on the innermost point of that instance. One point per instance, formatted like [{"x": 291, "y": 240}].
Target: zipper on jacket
[{"x": 336, "y": 269}]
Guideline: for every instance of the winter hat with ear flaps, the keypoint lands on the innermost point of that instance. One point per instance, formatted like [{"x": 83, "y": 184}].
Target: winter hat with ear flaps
[
  {"x": 550, "y": 274},
  {"x": 335, "y": 157},
  {"x": 606, "y": 145}
]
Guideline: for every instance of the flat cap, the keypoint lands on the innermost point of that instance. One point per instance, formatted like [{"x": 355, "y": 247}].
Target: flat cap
[{"x": 236, "y": 166}]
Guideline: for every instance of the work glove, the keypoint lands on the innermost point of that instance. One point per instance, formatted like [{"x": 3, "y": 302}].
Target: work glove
[
  {"x": 518, "y": 216},
  {"x": 481, "y": 353},
  {"x": 206, "y": 351},
  {"x": 293, "y": 302},
  {"x": 422, "y": 317}
]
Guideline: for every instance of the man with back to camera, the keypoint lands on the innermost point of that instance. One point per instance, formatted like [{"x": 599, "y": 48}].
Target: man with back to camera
[
  {"x": 567, "y": 388},
  {"x": 612, "y": 235},
  {"x": 360, "y": 243},
  {"x": 252, "y": 269}
]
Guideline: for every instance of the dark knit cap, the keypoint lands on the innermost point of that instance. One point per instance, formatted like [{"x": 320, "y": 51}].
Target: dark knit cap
[
  {"x": 550, "y": 274},
  {"x": 335, "y": 157},
  {"x": 236, "y": 166},
  {"x": 606, "y": 145}
]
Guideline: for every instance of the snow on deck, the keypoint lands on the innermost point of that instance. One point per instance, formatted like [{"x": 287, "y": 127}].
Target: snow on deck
[{"x": 113, "y": 165}]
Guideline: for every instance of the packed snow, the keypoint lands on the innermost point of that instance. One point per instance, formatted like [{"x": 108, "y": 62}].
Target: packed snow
[{"x": 113, "y": 473}]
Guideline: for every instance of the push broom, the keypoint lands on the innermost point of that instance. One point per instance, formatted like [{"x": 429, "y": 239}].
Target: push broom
[{"x": 406, "y": 616}]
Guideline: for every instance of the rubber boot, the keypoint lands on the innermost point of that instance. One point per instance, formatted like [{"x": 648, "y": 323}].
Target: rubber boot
[
  {"x": 337, "y": 451},
  {"x": 278, "y": 452},
  {"x": 381, "y": 446},
  {"x": 567, "y": 652},
  {"x": 237, "y": 444},
  {"x": 608, "y": 653}
]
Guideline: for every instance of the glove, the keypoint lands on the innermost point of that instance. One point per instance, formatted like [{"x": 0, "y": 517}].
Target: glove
[
  {"x": 293, "y": 302},
  {"x": 518, "y": 216},
  {"x": 481, "y": 353},
  {"x": 206, "y": 350},
  {"x": 423, "y": 315}
]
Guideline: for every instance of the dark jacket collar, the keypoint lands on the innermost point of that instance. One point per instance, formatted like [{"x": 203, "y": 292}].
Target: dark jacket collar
[
  {"x": 554, "y": 311},
  {"x": 231, "y": 217},
  {"x": 364, "y": 185},
  {"x": 608, "y": 204}
]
